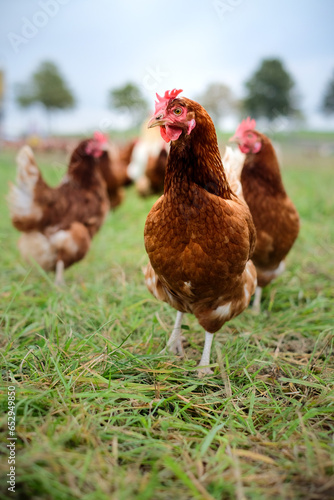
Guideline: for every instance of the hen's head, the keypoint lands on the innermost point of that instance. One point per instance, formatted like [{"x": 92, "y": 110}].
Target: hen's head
[
  {"x": 97, "y": 145},
  {"x": 248, "y": 139},
  {"x": 173, "y": 115}
]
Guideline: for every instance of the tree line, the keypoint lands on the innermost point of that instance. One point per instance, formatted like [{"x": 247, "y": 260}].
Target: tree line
[{"x": 270, "y": 94}]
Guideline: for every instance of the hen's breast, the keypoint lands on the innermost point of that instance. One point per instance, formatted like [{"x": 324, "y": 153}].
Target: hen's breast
[{"x": 201, "y": 241}]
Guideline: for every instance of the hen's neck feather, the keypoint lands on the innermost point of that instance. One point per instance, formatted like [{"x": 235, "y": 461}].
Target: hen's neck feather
[
  {"x": 263, "y": 168},
  {"x": 195, "y": 159},
  {"x": 82, "y": 169}
]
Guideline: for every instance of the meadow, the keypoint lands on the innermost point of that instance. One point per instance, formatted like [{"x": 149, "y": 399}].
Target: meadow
[{"x": 101, "y": 415}]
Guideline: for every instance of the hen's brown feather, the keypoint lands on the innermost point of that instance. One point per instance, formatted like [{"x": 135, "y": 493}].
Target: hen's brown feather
[
  {"x": 275, "y": 217},
  {"x": 155, "y": 171},
  {"x": 58, "y": 223},
  {"x": 199, "y": 236}
]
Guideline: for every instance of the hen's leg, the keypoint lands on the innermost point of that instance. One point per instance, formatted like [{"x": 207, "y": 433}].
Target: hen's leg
[
  {"x": 59, "y": 279},
  {"x": 174, "y": 343},
  {"x": 256, "y": 307},
  {"x": 205, "y": 360}
]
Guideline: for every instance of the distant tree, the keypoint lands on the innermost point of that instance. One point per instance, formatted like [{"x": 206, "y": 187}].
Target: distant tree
[
  {"x": 47, "y": 87},
  {"x": 270, "y": 92},
  {"x": 129, "y": 100},
  {"x": 328, "y": 100},
  {"x": 218, "y": 101}
]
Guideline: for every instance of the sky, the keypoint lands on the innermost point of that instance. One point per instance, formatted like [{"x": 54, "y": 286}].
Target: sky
[{"x": 160, "y": 45}]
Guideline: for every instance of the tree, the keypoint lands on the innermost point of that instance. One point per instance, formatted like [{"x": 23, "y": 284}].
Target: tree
[
  {"x": 46, "y": 86},
  {"x": 129, "y": 100},
  {"x": 270, "y": 92},
  {"x": 218, "y": 101},
  {"x": 328, "y": 100}
]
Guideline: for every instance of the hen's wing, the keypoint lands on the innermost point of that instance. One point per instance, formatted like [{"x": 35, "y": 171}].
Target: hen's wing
[
  {"x": 277, "y": 224},
  {"x": 275, "y": 236}
]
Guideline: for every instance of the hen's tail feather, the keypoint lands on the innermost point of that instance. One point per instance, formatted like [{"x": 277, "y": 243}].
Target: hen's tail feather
[
  {"x": 21, "y": 195},
  {"x": 25, "y": 157},
  {"x": 140, "y": 155},
  {"x": 233, "y": 161}
]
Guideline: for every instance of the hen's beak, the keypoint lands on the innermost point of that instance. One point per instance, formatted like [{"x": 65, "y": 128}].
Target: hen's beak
[
  {"x": 156, "y": 121},
  {"x": 235, "y": 138}
]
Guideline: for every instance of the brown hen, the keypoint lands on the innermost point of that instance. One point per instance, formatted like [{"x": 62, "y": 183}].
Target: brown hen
[
  {"x": 148, "y": 162},
  {"x": 199, "y": 235},
  {"x": 275, "y": 217},
  {"x": 59, "y": 223}
]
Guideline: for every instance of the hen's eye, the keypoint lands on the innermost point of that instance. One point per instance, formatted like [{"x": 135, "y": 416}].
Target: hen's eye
[{"x": 177, "y": 111}]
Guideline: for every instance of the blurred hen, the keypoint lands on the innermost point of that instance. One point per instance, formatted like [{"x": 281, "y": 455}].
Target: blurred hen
[
  {"x": 148, "y": 162},
  {"x": 275, "y": 217},
  {"x": 58, "y": 223}
]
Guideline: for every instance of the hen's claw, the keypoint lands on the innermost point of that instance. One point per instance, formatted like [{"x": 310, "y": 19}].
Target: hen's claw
[
  {"x": 174, "y": 343},
  {"x": 176, "y": 347},
  {"x": 202, "y": 371}
]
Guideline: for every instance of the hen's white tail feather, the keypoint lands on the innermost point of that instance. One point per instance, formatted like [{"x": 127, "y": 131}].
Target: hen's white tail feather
[
  {"x": 140, "y": 155},
  {"x": 21, "y": 195},
  {"x": 36, "y": 246},
  {"x": 233, "y": 161},
  {"x": 45, "y": 248}
]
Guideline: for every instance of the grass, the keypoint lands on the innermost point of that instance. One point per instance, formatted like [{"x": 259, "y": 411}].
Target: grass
[{"x": 101, "y": 415}]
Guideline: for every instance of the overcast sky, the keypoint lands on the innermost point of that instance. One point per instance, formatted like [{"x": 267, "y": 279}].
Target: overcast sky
[{"x": 100, "y": 44}]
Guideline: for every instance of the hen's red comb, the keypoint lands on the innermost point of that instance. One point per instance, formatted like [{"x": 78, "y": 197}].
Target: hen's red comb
[
  {"x": 169, "y": 94},
  {"x": 99, "y": 137},
  {"x": 245, "y": 125},
  {"x": 95, "y": 146}
]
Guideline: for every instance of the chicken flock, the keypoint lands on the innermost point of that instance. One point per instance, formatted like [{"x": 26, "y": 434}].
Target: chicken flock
[{"x": 218, "y": 234}]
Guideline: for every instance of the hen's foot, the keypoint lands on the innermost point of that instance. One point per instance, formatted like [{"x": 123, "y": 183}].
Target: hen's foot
[
  {"x": 176, "y": 347},
  {"x": 202, "y": 371},
  {"x": 203, "y": 368},
  {"x": 174, "y": 343}
]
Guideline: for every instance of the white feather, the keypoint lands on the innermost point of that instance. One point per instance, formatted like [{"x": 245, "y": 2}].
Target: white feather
[{"x": 233, "y": 161}]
